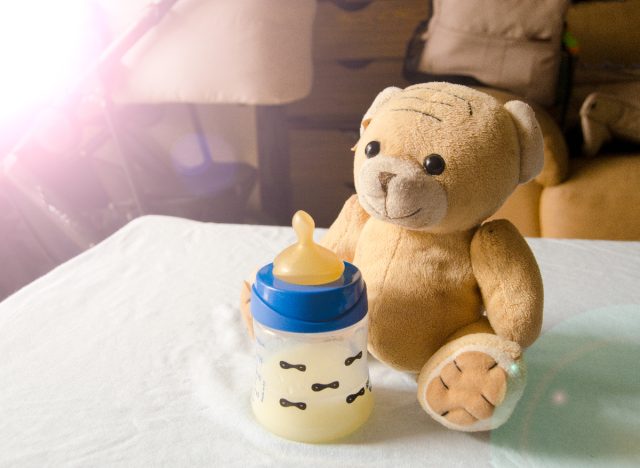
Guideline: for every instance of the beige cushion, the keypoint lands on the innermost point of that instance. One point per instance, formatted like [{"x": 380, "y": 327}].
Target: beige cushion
[
  {"x": 522, "y": 208},
  {"x": 491, "y": 42},
  {"x": 600, "y": 200}
]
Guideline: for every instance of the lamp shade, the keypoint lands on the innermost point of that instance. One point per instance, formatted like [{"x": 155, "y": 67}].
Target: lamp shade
[{"x": 222, "y": 51}]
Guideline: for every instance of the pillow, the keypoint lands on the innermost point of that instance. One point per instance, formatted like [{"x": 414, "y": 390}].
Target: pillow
[{"x": 514, "y": 45}]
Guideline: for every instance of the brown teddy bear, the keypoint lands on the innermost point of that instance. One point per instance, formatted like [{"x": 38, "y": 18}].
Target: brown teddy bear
[{"x": 450, "y": 299}]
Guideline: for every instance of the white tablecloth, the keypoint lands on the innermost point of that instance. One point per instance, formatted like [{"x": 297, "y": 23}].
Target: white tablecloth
[{"x": 134, "y": 354}]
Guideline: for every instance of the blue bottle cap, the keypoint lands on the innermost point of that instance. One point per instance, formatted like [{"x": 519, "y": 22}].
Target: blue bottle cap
[{"x": 308, "y": 309}]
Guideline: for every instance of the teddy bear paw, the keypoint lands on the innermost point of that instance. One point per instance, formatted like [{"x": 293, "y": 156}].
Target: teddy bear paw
[{"x": 472, "y": 390}]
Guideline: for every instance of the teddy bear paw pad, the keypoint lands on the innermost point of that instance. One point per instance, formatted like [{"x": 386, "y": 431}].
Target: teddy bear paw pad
[
  {"x": 468, "y": 391},
  {"x": 468, "y": 388}
]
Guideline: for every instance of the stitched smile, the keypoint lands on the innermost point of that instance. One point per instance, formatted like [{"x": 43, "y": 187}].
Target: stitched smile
[
  {"x": 396, "y": 217},
  {"x": 405, "y": 216}
]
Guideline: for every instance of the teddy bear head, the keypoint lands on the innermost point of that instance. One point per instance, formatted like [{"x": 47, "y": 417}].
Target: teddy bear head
[{"x": 440, "y": 157}]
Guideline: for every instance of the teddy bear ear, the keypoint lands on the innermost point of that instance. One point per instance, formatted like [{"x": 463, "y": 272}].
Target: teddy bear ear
[
  {"x": 382, "y": 97},
  {"x": 529, "y": 138}
]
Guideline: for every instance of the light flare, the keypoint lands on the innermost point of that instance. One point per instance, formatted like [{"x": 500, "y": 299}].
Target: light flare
[{"x": 44, "y": 46}]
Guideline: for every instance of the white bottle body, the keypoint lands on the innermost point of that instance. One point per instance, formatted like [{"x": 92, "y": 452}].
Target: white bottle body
[{"x": 312, "y": 387}]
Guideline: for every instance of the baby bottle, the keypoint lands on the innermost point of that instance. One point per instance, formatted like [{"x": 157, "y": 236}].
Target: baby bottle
[{"x": 310, "y": 322}]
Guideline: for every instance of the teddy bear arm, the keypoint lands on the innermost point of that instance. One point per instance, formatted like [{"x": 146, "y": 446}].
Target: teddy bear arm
[
  {"x": 509, "y": 281},
  {"x": 342, "y": 236}
]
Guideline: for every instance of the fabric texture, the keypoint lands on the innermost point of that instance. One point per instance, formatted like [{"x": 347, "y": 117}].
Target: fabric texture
[
  {"x": 512, "y": 45},
  {"x": 599, "y": 201},
  {"x": 134, "y": 354},
  {"x": 433, "y": 162},
  {"x": 556, "y": 154},
  {"x": 522, "y": 208},
  {"x": 604, "y": 116}
]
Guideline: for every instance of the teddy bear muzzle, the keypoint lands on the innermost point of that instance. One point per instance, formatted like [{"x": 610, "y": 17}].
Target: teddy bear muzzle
[{"x": 398, "y": 191}]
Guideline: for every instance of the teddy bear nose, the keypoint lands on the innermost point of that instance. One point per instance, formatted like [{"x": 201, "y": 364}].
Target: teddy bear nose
[{"x": 385, "y": 178}]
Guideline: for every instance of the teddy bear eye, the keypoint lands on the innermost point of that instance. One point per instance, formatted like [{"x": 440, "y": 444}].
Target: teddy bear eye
[
  {"x": 433, "y": 164},
  {"x": 372, "y": 149}
]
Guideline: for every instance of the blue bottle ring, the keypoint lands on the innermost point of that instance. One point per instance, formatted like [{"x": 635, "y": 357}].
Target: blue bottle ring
[{"x": 309, "y": 309}]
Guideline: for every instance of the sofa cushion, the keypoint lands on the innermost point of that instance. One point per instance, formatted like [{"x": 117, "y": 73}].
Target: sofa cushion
[
  {"x": 600, "y": 200},
  {"x": 522, "y": 208},
  {"x": 493, "y": 43}
]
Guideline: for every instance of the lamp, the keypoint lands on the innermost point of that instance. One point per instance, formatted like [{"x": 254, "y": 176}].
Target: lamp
[
  {"x": 252, "y": 52},
  {"x": 189, "y": 51}
]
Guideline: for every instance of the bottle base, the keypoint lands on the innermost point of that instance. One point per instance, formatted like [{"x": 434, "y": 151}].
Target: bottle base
[{"x": 314, "y": 425}]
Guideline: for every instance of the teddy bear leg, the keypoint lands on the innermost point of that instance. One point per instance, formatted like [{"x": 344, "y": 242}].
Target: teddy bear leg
[{"x": 473, "y": 382}]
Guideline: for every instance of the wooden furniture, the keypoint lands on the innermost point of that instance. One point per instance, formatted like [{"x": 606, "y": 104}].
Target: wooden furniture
[{"x": 358, "y": 50}]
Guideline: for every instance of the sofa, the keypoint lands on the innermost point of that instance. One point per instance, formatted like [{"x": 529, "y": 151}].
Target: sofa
[
  {"x": 588, "y": 197},
  {"x": 596, "y": 198}
]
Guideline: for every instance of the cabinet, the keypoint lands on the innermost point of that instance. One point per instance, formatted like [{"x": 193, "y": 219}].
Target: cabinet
[{"x": 359, "y": 46}]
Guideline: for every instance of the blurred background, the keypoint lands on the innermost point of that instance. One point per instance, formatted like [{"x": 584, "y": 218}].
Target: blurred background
[{"x": 242, "y": 111}]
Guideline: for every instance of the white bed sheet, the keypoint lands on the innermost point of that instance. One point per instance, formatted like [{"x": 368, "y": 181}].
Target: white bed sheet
[{"x": 134, "y": 354}]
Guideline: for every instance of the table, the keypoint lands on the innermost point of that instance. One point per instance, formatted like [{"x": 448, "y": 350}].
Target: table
[{"x": 134, "y": 354}]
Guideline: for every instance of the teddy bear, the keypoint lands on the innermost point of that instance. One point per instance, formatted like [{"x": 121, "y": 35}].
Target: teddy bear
[{"x": 452, "y": 299}]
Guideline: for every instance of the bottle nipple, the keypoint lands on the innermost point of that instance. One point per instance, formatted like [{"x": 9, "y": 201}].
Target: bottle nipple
[{"x": 306, "y": 262}]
